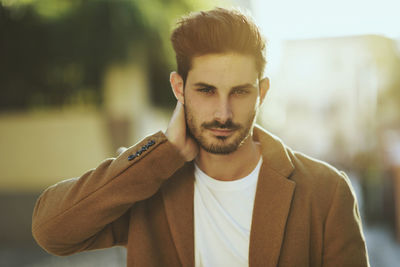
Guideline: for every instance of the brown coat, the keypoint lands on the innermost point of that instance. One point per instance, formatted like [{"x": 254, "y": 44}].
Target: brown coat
[{"x": 305, "y": 212}]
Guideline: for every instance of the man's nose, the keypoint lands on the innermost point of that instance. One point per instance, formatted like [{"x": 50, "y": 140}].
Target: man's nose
[{"x": 223, "y": 111}]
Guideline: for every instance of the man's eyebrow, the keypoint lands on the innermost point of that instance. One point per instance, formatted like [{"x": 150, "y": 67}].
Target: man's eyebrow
[
  {"x": 244, "y": 86},
  {"x": 201, "y": 84},
  {"x": 238, "y": 87}
]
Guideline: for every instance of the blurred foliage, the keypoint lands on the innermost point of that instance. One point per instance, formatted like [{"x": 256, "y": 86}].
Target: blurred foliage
[{"x": 55, "y": 53}]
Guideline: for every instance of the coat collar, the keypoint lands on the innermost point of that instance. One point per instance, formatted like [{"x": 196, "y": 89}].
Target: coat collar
[{"x": 271, "y": 206}]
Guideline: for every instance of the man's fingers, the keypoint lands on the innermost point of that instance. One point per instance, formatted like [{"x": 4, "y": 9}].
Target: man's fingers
[{"x": 181, "y": 112}]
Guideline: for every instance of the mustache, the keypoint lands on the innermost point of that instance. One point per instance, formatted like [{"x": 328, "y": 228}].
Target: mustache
[{"x": 228, "y": 125}]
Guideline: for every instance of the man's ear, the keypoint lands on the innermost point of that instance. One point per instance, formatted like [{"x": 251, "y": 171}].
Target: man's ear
[
  {"x": 177, "y": 86},
  {"x": 264, "y": 87}
]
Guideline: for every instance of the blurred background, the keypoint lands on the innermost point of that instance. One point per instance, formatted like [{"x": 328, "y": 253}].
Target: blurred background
[{"x": 78, "y": 79}]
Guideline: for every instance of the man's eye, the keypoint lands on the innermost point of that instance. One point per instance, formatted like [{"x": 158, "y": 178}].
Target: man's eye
[
  {"x": 240, "y": 92},
  {"x": 206, "y": 90}
]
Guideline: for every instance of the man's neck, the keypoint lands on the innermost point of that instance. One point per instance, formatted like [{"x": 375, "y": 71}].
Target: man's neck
[{"x": 232, "y": 166}]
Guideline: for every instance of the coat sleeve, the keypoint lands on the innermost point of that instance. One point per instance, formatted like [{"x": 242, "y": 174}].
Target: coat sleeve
[
  {"x": 344, "y": 243},
  {"x": 92, "y": 211}
]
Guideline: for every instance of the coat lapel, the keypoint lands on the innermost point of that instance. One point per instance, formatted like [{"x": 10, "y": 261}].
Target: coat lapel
[
  {"x": 272, "y": 202},
  {"x": 178, "y": 194},
  {"x": 271, "y": 208}
]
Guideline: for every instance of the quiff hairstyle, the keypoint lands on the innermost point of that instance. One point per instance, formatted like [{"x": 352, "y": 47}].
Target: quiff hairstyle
[{"x": 216, "y": 31}]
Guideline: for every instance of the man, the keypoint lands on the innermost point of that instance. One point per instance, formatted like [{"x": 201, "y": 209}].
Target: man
[{"x": 214, "y": 190}]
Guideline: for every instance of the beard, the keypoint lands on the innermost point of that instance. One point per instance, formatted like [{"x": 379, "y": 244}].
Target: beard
[{"x": 221, "y": 144}]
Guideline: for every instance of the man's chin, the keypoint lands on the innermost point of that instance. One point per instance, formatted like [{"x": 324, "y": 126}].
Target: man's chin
[
  {"x": 219, "y": 144},
  {"x": 220, "y": 147},
  {"x": 220, "y": 150}
]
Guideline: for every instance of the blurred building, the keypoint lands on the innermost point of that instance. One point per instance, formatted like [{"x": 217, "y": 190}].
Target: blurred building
[{"x": 326, "y": 95}]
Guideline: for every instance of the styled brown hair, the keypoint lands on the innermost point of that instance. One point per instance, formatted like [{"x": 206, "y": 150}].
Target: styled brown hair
[{"x": 216, "y": 31}]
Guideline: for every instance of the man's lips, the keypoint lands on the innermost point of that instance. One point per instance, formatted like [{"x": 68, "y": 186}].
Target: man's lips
[{"x": 221, "y": 132}]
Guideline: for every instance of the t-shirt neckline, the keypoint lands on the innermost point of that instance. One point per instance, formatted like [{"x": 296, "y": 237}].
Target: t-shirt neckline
[{"x": 219, "y": 185}]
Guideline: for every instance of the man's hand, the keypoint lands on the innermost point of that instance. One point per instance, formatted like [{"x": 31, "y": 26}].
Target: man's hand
[{"x": 177, "y": 135}]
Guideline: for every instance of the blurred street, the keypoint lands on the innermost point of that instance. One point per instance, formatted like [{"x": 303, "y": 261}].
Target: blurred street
[{"x": 382, "y": 249}]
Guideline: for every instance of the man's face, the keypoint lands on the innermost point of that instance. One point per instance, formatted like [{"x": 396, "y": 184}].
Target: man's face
[{"x": 221, "y": 99}]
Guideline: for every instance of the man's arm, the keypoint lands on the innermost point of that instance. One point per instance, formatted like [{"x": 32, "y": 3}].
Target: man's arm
[
  {"x": 92, "y": 211},
  {"x": 344, "y": 243}
]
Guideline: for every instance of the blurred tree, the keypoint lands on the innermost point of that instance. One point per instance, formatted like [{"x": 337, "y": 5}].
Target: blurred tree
[{"x": 55, "y": 53}]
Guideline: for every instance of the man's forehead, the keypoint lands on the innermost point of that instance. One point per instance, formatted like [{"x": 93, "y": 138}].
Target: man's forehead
[{"x": 228, "y": 69}]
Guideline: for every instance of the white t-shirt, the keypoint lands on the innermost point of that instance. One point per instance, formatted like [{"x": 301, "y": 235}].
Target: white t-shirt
[{"x": 222, "y": 219}]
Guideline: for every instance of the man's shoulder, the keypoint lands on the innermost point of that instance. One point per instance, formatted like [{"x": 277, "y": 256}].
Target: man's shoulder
[
  {"x": 315, "y": 177},
  {"x": 305, "y": 165},
  {"x": 306, "y": 171}
]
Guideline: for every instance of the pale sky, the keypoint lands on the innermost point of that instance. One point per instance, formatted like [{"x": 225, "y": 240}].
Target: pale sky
[{"x": 291, "y": 19}]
